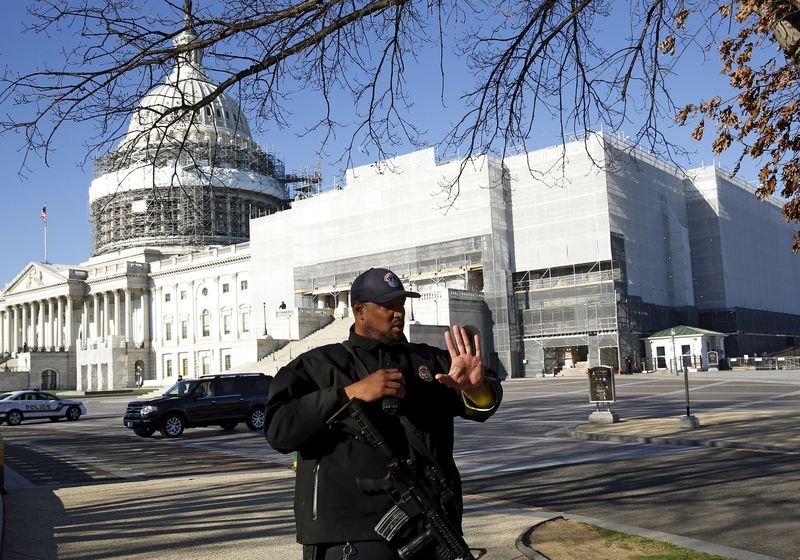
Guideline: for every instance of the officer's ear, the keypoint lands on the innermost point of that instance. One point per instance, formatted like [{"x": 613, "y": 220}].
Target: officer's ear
[{"x": 358, "y": 310}]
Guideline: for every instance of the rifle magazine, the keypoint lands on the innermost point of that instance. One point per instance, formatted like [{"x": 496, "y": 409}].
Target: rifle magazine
[{"x": 392, "y": 521}]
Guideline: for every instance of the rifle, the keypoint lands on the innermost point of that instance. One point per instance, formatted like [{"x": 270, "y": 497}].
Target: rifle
[{"x": 419, "y": 492}]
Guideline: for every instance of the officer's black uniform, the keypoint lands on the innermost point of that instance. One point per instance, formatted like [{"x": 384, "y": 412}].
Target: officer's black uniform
[{"x": 329, "y": 505}]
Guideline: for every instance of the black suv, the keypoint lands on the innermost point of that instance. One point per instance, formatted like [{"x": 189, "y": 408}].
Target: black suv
[{"x": 212, "y": 400}]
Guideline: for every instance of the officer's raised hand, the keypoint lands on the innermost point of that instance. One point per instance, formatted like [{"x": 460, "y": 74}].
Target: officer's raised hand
[{"x": 466, "y": 368}]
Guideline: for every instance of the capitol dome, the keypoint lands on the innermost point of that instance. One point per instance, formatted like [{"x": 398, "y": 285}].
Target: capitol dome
[
  {"x": 183, "y": 177},
  {"x": 161, "y": 113}
]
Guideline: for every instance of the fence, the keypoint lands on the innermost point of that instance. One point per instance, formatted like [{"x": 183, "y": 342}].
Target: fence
[
  {"x": 692, "y": 362},
  {"x": 738, "y": 363},
  {"x": 765, "y": 362}
]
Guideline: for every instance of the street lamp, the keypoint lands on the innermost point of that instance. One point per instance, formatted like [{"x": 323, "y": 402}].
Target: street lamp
[
  {"x": 412, "y": 302},
  {"x": 674, "y": 358},
  {"x": 265, "y": 318},
  {"x": 687, "y": 421}
]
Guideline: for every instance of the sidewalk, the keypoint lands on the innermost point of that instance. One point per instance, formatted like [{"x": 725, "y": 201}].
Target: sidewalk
[
  {"x": 242, "y": 516},
  {"x": 736, "y": 429}
]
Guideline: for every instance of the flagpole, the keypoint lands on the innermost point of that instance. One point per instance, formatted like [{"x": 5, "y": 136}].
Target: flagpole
[{"x": 43, "y": 217}]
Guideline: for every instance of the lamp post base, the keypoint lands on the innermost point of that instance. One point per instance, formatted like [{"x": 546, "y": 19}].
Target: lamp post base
[
  {"x": 688, "y": 422},
  {"x": 603, "y": 417}
]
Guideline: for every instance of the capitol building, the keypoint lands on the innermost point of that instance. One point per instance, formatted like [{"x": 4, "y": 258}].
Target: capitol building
[{"x": 206, "y": 256}]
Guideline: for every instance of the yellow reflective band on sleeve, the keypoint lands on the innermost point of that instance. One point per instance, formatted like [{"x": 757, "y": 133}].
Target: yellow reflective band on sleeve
[{"x": 472, "y": 406}]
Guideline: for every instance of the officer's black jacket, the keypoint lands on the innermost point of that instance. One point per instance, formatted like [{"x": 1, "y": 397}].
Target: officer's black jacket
[{"x": 329, "y": 506}]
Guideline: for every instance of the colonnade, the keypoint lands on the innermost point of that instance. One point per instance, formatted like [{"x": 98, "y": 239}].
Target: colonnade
[
  {"x": 42, "y": 324},
  {"x": 47, "y": 324}
]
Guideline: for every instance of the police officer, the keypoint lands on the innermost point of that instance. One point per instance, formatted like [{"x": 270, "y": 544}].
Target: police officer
[{"x": 426, "y": 385}]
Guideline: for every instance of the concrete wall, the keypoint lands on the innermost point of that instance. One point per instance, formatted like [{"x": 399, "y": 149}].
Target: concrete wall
[{"x": 15, "y": 380}]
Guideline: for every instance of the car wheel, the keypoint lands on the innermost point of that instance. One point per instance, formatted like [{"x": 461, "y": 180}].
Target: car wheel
[
  {"x": 172, "y": 426},
  {"x": 73, "y": 413},
  {"x": 14, "y": 418},
  {"x": 228, "y": 425},
  {"x": 255, "y": 418},
  {"x": 144, "y": 432}
]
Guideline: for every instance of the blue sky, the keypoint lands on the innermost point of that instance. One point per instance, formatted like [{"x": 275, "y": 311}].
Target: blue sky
[{"x": 63, "y": 183}]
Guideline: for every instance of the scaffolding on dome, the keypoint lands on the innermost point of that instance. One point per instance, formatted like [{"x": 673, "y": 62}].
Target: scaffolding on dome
[{"x": 179, "y": 214}]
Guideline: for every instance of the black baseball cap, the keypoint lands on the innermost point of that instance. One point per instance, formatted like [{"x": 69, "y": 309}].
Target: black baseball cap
[{"x": 378, "y": 285}]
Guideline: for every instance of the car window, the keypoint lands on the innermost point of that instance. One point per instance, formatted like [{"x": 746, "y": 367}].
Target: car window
[
  {"x": 4, "y": 396},
  {"x": 226, "y": 387},
  {"x": 48, "y": 397},
  {"x": 204, "y": 389},
  {"x": 253, "y": 384},
  {"x": 180, "y": 388}
]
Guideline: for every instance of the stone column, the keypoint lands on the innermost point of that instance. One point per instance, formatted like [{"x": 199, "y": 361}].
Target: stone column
[
  {"x": 68, "y": 327},
  {"x": 59, "y": 323},
  {"x": 85, "y": 319},
  {"x": 176, "y": 314},
  {"x": 106, "y": 312},
  {"x": 193, "y": 314},
  {"x": 51, "y": 326},
  {"x": 40, "y": 343},
  {"x": 236, "y": 315},
  {"x": 96, "y": 299},
  {"x": 216, "y": 321},
  {"x": 15, "y": 338},
  {"x": 9, "y": 329},
  {"x": 158, "y": 322},
  {"x": 117, "y": 329},
  {"x": 146, "y": 317},
  {"x": 128, "y": 334},
  {"x": 24, "y": 325},
  {"x": 3, "y": 336}
]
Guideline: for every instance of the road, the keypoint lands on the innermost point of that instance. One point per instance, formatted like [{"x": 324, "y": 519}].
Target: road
[{"x": 741, "y": 499}]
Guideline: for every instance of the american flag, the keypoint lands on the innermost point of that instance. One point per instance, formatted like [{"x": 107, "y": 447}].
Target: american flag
[{"x": 43, "y": 215}]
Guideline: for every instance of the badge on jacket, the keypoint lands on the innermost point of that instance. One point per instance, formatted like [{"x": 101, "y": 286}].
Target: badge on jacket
[{"x": 425, "y": 374}]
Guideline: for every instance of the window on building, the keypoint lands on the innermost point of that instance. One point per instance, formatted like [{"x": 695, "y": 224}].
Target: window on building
[
  {"x": 226, "y": 288},
  {"x": 167, "y": 366},
  {"x": 183, "y": 294},
  {"x": 246, "y": 320},
  {"x": 206, "y": 364},
  {"x": 227, "y": 360},
  {"x": 167, "y": 298},
  {"x": 243, "y": 285},
  {"x": 185, "y": 367},
  {"x": 184, "y": 328},
  {"x": 205, "y": 323},
  {"x": 168, "y": 330},
  {"x": 226, "y": 322}
]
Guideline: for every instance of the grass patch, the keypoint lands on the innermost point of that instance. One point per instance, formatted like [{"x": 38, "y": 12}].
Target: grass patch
[{"x": 650, "y": 549}]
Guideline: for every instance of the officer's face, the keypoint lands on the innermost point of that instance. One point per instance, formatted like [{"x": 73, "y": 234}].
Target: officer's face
[{"x": 381, "y": 321}]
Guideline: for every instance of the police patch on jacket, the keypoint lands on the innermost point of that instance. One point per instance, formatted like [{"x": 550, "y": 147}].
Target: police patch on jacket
[{"x": 424, "y": 373}]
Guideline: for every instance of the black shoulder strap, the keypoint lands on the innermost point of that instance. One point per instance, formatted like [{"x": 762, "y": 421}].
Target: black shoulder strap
[{"x": 413, "y": 439}]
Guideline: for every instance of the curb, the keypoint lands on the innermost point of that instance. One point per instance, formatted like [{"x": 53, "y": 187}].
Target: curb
[
  {"x": 524, "y": 542},
  {"x": 677, "y": 540},
  {"x": 685, "y": 442}
]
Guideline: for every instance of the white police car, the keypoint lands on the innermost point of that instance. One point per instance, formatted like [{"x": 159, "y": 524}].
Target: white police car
[{"x": 33, "y": 403}]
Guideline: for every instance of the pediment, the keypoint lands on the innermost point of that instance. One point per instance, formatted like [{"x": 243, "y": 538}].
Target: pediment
[{"x": 35, "y": 276}]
